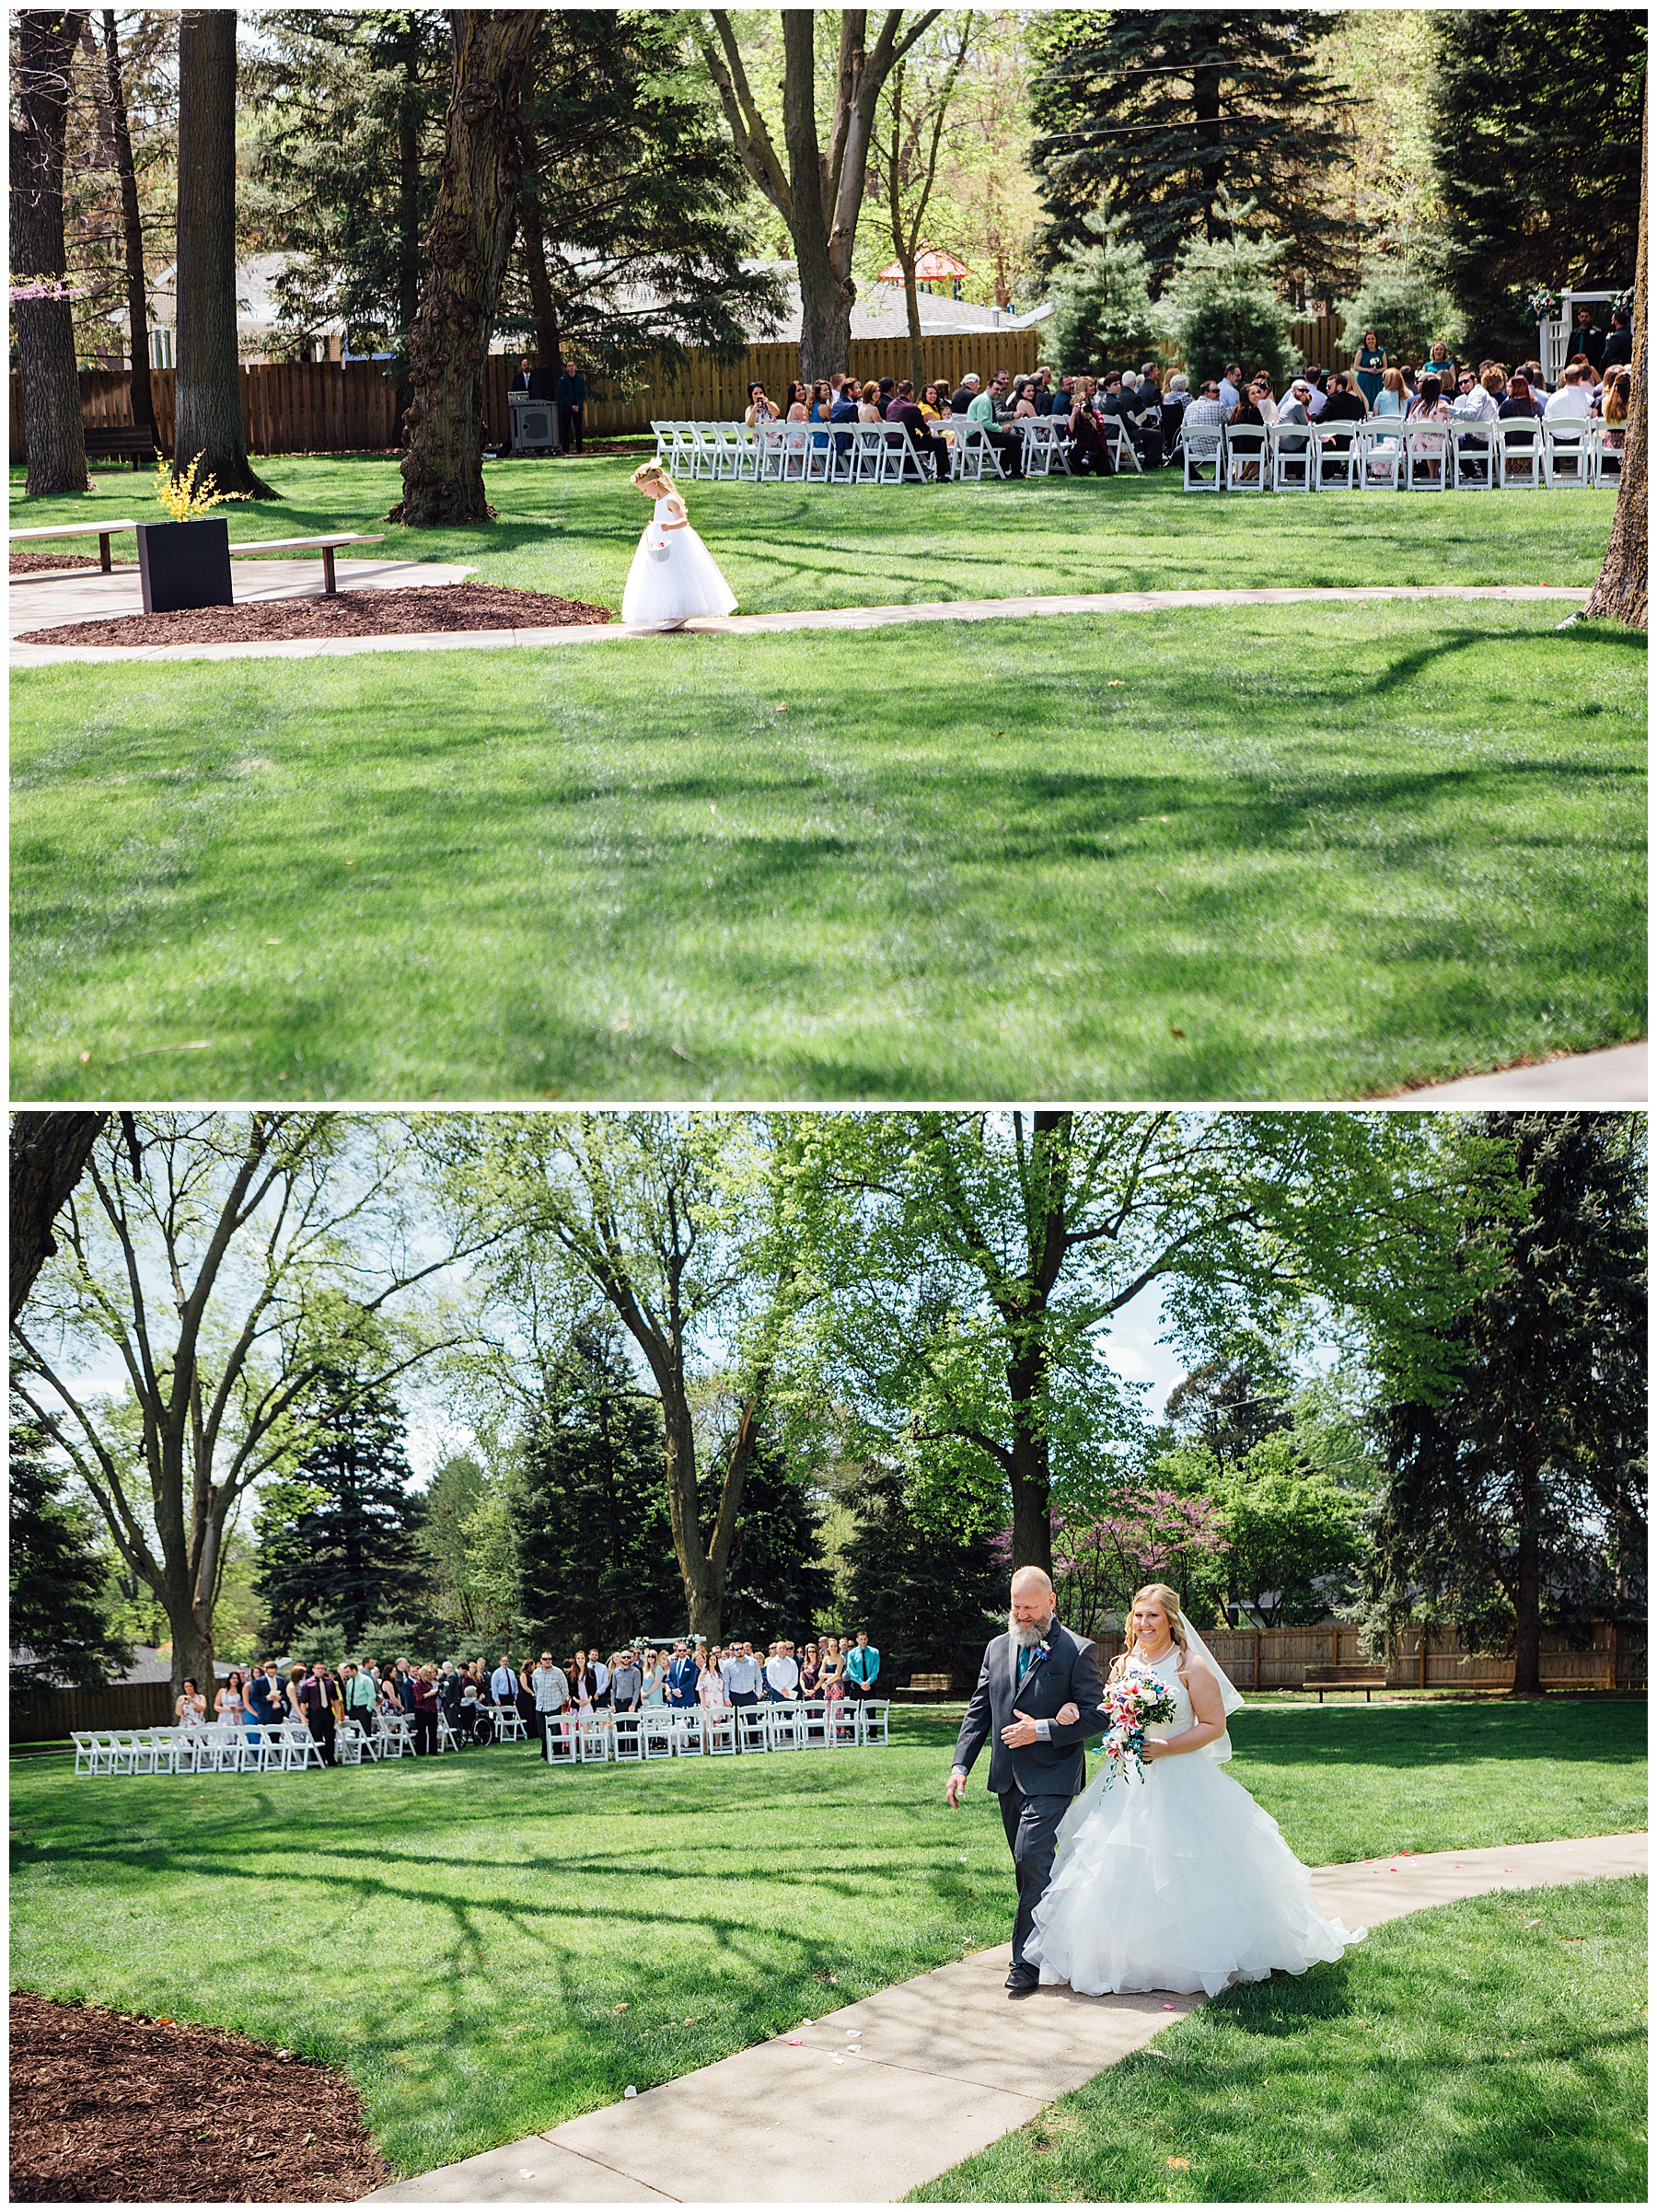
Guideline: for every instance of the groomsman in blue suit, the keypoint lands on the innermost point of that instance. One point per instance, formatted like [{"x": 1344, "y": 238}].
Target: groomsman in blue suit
[{"x": 681, "y": 1676}]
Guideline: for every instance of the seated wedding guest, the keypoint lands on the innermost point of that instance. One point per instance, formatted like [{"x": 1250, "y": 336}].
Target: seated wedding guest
[
  {"x": 1341, "y": 403},
  {"x": 927, "y": 403},
  {"x": 1208, "y": 410},
  {"x": 1430, "y": 403},
  {"x": 1041, "y": 391},
  {"x": 902, "y": 410},
  {"x": 870, "y": 407},
  {"x": 759, "y": 409},
  {"x": 1260, "y": 391},
  {"x": 1246, "y": 415},
  {"x": 797, "y": 410},
  {"x": 1089, "y": 454},
  {"x": 1293, "y": 413},
  {"x": 190, "y": 1708},
  {"x": 1317, "y": 392},
  {"x": 1473, "y": 401},
  {"x": 1620, "y": 385},
  {"x": 1231, "y": 386},
  {"x": 471, "y": 1723},
  {"x": 1142, "y": 412},
  {"x": 1176, "y": 397},
  {"x": 981, "y": 410},
  {"x": 1521, "y": 403},
  {"x": 1573, "y": 399},
  {"x": 1023, "y": 405},
  {"x": 1392, "y": 402}
]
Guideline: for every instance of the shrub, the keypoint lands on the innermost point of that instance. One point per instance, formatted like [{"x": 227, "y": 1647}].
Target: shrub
[
  {"x": 1406, "y": 309},
  {"x": 1102, "y": 311},
  {"x": 1224, "y": 305}
]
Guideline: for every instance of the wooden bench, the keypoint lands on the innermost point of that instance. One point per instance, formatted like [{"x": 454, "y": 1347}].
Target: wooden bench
[
  {"x": 1345, "y": 1678},
  {"x": 120, "y": 442},
  {"x": 102, "y": 531},
  {"x": 325, "y": 545}
]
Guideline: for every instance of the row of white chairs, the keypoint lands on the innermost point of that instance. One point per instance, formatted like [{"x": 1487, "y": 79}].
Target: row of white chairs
[
  {"x": 694, "y": 1732},
  {"x": 217, "y": 1749},
  {"x": 845, "y": 453},
  {"x": 1440, "y": 456}
]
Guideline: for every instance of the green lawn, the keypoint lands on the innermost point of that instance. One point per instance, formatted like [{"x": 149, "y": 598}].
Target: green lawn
[
  {"x": 1260, "y": 852},
  {"x": 1492, "y": 2051},
  {"x": 571, "y": 527},
  {"x": 488, "y": 1948}
]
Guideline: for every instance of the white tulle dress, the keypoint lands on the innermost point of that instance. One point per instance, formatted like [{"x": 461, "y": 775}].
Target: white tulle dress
[
  {"x": 666, "y": 590},
  {"x": 1179, "y": 1882}
]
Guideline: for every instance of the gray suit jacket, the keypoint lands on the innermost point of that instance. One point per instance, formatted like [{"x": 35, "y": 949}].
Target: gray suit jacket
[{"x": 1068, "y": 1673}]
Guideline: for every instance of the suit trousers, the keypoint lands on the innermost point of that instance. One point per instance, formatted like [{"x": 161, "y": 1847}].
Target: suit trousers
[{"x": 1032, "y": 1825}]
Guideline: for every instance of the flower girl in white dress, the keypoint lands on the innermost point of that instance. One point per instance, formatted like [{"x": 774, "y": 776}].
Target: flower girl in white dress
[
  {"x": 673, "y": 574},
  {"x": 1172, "y": 1877}
]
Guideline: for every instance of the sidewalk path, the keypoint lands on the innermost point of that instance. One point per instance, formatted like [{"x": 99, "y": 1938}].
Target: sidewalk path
[
  {"x": 1566, "y": 596},
  {"x": 1615, "y": 1077},
  {"x": 865, "y": 2105}
]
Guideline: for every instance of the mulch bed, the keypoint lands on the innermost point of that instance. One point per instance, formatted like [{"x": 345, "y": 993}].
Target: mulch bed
[
  {"x": 34, "y": 564},
  {"x": 351, "y": 614},
  {"x": 108, "y": 2107}
]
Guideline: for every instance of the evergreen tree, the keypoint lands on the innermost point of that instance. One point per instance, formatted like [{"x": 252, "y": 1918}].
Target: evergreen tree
[
  {"x": 59, "y": 1584},
  {"x": 1537, "y": 116},
  {"x": 1224, "y": 305},
  {"x": 595, "y": 1547},
  {"x": 1101, "y": 300},
  {"x": 1520, "y": 1496},
  {"x": 776, "y": 1585},
  {"x": 1224, "y": 1407},
  {"x": 1158, "y": 113},
  {"x": 930, "y": 1597},
  {"x": 336, "y": 1541}
]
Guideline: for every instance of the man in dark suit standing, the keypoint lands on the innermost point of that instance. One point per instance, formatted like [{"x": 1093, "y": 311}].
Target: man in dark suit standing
[
  {"x": 1037, "y": 1765},
  {"x": 1617, "y": 351},
  {"x": 525, "y": 379},
  {"x": 571, "y": 408}
]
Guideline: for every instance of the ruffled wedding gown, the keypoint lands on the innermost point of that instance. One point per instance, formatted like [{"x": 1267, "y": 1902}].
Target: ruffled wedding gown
[
  {"x": 1178, "y": 1881},
  {"x": 687, "y": 582}
]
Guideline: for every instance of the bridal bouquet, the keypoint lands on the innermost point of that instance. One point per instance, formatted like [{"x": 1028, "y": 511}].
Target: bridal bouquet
[{"x": 1131, "y": 1703}]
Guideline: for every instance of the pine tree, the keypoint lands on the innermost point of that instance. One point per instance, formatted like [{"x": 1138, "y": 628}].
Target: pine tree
[
  {"x": 59, "y": 1584},
  {"x": 1520, "y": 1497},
  {"x": 776, "y": 1585},
  {"x": 336, "y": 1542},
  {"x": 1537, "y": 122},
  {"x": 1158, "y": 112},
  {"x": 928, "y": 1597},
  {"x": 596, "y": 1548}
]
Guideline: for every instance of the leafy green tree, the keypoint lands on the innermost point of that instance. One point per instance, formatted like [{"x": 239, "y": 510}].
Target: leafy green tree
[
  {"x": 1537, "y": 126},
  {"x": 1406, "y": 308},
  {"x": 928, "y": 1595},
  {"x": 1519, "y": 1496},
  {"x": 596, "y": 1540},
  {"x": 59, "y": 1586},
  {"x": 1224, "y": 304},
  {"x": 1101, "y": 292},
  {"x": 1166, "y": 114},
  {"x": 336, "y": 1541},
  {"x": 1292, "y": 1535},
  {"x": 777, "y": 1585}
]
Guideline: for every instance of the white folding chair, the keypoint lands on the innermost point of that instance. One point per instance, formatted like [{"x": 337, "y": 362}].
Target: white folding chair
[
  {"x": 1293, "y": 457},
  {"x": 1570, "y": 453},
  {"x": 628, "y": 1735},
  {"x": 1522, "y": 455},
  {"x": 1037, "y": 445},
  {"x": 655, "y": 1732},
  {"x": 86, "y": 1751},
  {"x": 448, "y": 1736},
  {"x": 719, "y": 1732},
  {"x": 508, "y": 1724},
  {"x": 1607, "y": 458},
  {"x": 1247, "y": 457},
  {"x": 1429, "y": 457},
  {"x": 1383, "y": 458},
  {"x": 687, "y": 1722},
  {"x": 1337, "y": 455},
  {"x": 968, "y": 449},
  {"x": 558, "y": 1739},
  {"x": 843, "y": 1729},
  {"x": 870, "y": 454},
  {"x": 1202, "y": 446},
  {"x": 814, "y": 1723},
  {"x": 874, "y": 1715},
  {"x": 350, "y": 1745},
  {"x": 783, "y": 1726},
  {"x": 303, "y": 1747},
  {"x": 772, "y": 446},
  {"x": 594, "y": 1740},
  {"x": 1122, "y": 447},
  {"x": 752, "y": 1733},
  {"x": 1476, "y": 455}
]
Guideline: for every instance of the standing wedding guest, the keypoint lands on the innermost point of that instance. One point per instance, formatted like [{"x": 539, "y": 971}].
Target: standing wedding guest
[
  {"x": 681, "y": 1676},
  {"x": 1037, "y": 1762},
  {"x": 1176, "y": 1879},
  {"x": 741, "y": 1672},
  {"x": 571, "y": 408},
  {"x": 656, "y": 1680},
  {"x": 265, "y": 1697},
  {"x": 710, "y": 1684},
  {"x": 1369, "y": 365},
  {"x": 863, "y": 1666},
  {"x": 810, "y": 1667},
  {"x": 673, "y": 574},
  {"x": 783, "y": 1674},
  {"x": 504, "y": 1682},
  {"x": 550, "y": 1687},
  {"x": 627, "y": 1682},
  {"x": 295, "y": 1709},
  {"x": 362, "y": 1697},
  {"x": 831, "y": 1676},
  {"x": 230, "y": 1705},
  {"x": 601, "y": 1683},
  {"x": 316, "y": 1703},
  {"x": 425, "y": 1713},
  {"x": 190, "y": 1708}
]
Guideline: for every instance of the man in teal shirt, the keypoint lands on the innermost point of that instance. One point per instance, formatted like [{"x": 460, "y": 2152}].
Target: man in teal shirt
[
  {"x": 1009, "y": 443},
  {"x": 863, "y": 1666}
]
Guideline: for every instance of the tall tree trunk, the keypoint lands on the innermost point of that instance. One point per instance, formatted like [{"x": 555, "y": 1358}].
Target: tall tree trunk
[
  {"x": 541, "y": 297},
  {"x": 1205, "y": 102},
  {"x": 1620, "y": 593},
  {"x": 1029, "y": 1468},
  {"x": 208, "y": 417},
  {"x": 131, "y": 232},
  {"x": 1527, "y": 1582},
  {"x": 470, "y": 238},
  {"x": 408, "y": 215},
  {"x": 51, "y": 410},
  {"x": 824, "y": 296},
  {"x": 48, "y": 1154}
]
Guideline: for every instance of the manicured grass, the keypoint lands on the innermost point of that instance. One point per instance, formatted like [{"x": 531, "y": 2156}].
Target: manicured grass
[
  {"x": 1259, "y": 852},
  {"x": 1492, "y": 2051},
  {"x": 571, "y": 527},
  {"x": 488, "y": 1948}
]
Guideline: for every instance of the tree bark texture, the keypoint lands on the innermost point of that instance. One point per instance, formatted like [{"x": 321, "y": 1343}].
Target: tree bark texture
[
  {"x": 46, "y": 362},
  {"x": 1619, "y": 593},
  {"x": 209, "y": 415},
  {"x": 467, "y": 247},
  {"x": 1528, "y": 1579},
  {"x": 49, "y": 1152},
  {"x": 132, "y": 231}
]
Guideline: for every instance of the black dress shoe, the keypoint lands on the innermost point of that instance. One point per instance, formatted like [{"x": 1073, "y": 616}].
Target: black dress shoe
[{"x": 1023, "y": 1981}]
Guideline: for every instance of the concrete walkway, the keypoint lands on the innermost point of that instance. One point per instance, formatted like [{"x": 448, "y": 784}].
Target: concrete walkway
[
  {"x": 48, "y": 596},
  {"x": 868, "y": 2103},
  {"x": 1617, "y": 1077},
  {"x": 1566, "y": 597}
]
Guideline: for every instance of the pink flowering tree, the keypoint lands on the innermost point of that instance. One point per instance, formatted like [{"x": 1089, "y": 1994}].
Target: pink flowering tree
[{"x": 1147, "y": 1535}]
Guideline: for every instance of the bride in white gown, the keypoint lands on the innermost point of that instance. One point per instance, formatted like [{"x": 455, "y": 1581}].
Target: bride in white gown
[{"x": 1176, "y": 1879}]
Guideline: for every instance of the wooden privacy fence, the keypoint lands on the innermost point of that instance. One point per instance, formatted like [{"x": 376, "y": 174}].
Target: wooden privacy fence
[
  {"x": 351, "y": 407},
  {"x": 1268, "y": 1659},
  {"x": 47, "y": 1716}
]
